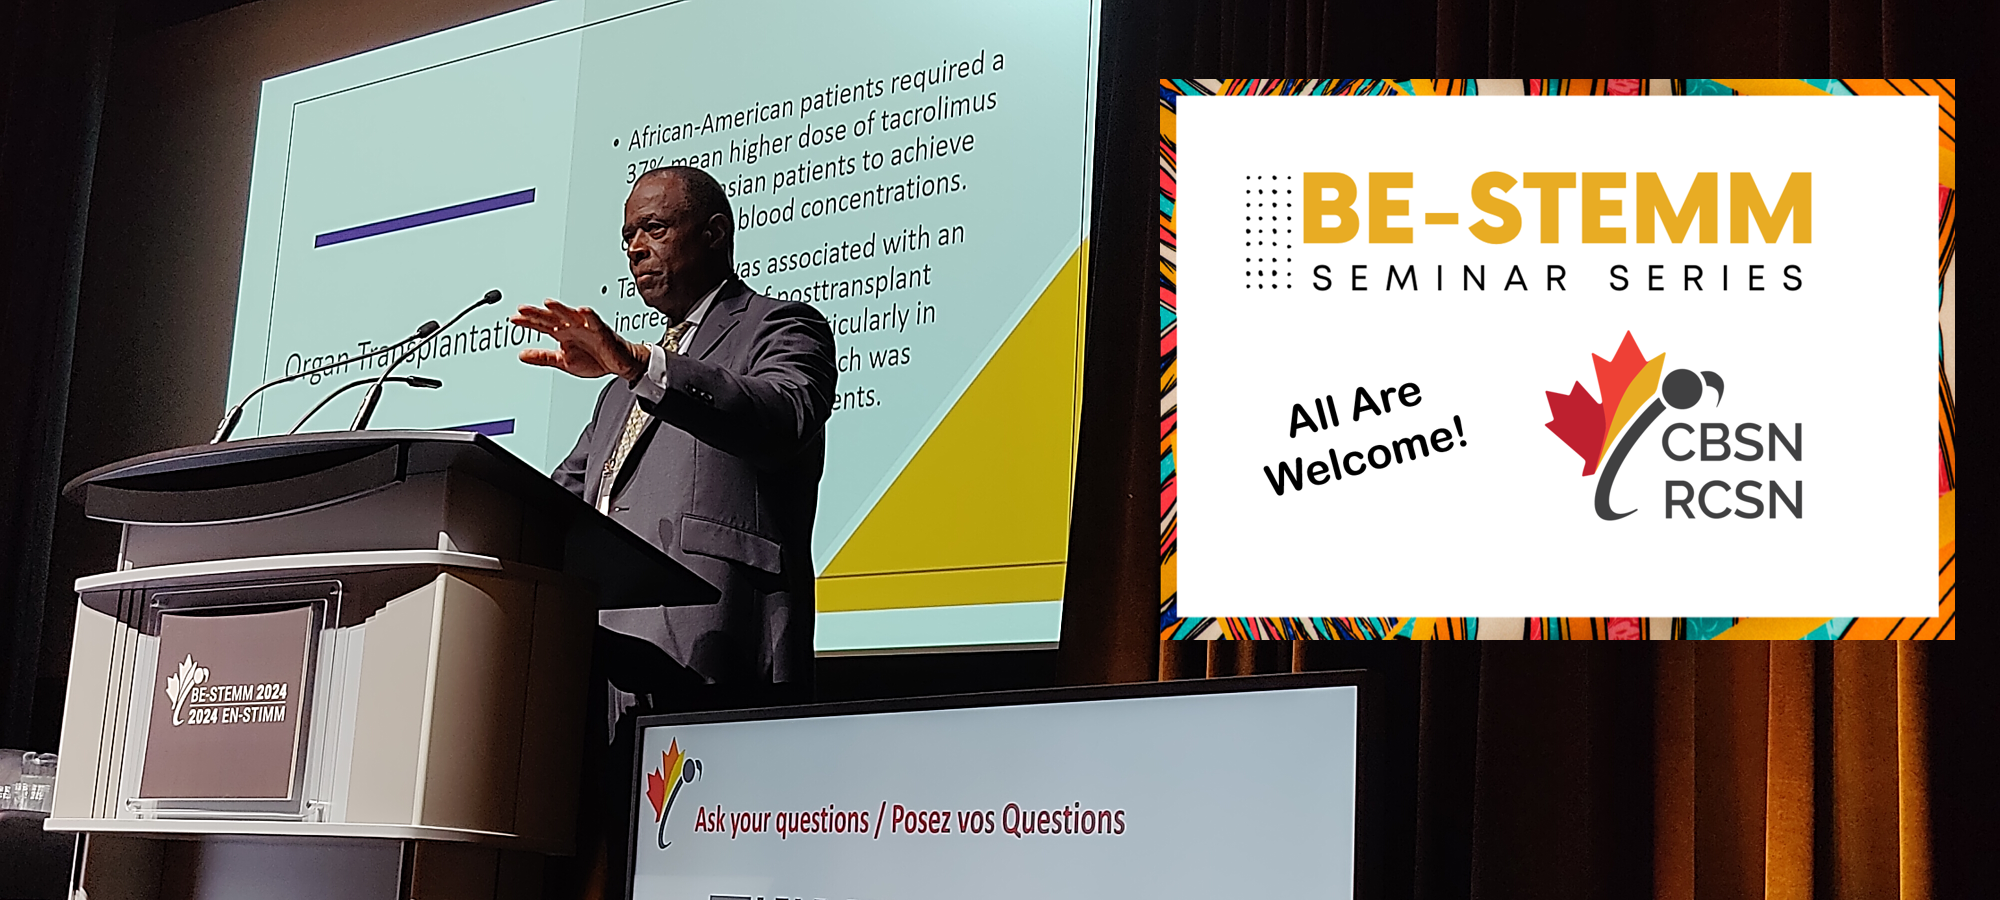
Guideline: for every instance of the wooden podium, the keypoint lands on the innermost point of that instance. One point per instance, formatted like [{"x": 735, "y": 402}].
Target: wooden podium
[{"x": 347, "y": 665}]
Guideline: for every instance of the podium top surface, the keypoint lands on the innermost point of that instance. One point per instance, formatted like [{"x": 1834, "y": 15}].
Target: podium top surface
[
  {"x": 271, "y": 477},
  {"x": 262, "y": 460}
]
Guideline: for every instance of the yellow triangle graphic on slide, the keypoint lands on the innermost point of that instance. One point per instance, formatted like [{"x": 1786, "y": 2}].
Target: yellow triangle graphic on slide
[{"x": 991, "y": 485}]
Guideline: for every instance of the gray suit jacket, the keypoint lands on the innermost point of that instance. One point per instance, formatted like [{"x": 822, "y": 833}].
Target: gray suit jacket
[{"x": 725, "y": 479}]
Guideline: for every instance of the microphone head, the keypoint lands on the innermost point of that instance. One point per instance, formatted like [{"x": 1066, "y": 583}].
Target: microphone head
[
  {"x": 427, "y": 329},
  {"x": 491, "y": 297},
  {"x": 420, "y": 381}
]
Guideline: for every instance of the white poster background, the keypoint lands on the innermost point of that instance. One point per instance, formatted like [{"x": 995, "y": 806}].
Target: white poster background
[
  {"x": 1262, "y": 782},
  {"x": 1504, "y": 526}
]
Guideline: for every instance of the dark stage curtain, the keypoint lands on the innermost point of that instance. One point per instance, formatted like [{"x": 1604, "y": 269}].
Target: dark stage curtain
[
  {"x": 53, "y": 57},
  {"x": 1669, "y": 770}
]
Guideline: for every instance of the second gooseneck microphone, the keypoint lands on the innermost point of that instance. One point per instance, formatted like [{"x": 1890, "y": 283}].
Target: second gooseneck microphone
[
  {"x": 374, "y": 394},
  {"x": 416, "y": 381}
]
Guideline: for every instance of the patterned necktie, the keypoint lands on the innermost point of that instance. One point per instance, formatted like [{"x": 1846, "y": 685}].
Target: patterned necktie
[{"x": 635, "y": 424}]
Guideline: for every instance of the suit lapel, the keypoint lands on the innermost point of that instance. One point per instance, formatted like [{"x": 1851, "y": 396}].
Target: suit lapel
[
  {"x": 722, "y": 317},
  {"x": 729, "y": 305}
]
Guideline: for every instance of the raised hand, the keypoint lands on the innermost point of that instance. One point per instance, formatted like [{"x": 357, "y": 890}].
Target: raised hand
[{"x": 585, "y": 346}]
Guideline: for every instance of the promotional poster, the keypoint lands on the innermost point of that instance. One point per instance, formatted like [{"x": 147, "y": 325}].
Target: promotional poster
[{"x": 1505, "y": 341}]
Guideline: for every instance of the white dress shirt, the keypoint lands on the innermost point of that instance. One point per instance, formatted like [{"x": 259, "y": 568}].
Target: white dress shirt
[{"x": 652, "y": 383}]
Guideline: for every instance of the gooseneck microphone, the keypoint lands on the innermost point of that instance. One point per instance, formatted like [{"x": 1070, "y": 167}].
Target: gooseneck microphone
[
  {"x": 415, "y": 381},
  {"x": 234, "y": 416},
  {"x": 374, "y": 394}
]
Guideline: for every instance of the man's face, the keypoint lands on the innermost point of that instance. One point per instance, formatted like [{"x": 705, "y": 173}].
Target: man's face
[{"x": 667, "y": 248}]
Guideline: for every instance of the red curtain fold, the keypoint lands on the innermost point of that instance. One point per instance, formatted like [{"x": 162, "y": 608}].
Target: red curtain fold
[{"x": 1676, "y": 770}]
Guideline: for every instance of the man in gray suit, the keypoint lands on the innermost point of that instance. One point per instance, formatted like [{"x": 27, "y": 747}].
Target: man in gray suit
[{"x": 707, "y": 443}]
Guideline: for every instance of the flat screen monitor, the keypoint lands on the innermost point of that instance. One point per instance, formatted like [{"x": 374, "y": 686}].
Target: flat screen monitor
[{"x": 1223, "y": 788}]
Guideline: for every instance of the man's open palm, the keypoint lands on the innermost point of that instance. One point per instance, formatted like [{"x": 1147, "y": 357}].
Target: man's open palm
[{"x": 585, "y": 346}]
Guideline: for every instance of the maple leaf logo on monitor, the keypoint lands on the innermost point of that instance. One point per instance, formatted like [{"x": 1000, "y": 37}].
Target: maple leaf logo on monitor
[
  {"x": 1625, "y": 381},
  {"x": 664, "y": 784}
]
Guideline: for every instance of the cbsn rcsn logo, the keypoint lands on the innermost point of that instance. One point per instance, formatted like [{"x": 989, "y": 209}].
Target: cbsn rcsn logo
[
  {"x": 1627, "y": 381},
  {"x": 663, "y": 785}
]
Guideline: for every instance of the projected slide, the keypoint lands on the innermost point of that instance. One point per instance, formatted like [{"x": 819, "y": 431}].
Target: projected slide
[{"x": 917, "y": 171}]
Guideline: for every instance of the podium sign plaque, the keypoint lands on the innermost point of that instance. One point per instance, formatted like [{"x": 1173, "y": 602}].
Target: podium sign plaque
[{"x": 228, "y": 704}]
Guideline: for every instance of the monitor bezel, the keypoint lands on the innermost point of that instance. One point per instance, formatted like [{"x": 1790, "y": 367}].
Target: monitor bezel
[{"x": 1368, "y": 734}]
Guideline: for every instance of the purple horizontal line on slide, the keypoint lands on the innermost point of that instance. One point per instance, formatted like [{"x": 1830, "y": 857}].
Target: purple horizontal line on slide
[
  {"x": 490, "y": 429},
  {"x": 429, "y": 217}
]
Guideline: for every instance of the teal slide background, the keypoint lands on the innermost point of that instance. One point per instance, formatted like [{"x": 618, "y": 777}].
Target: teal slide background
[{"x": 548, "y": 98}]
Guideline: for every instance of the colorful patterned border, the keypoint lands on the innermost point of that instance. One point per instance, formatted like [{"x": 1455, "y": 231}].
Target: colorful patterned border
[{"x": 1941, "y": 626}]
